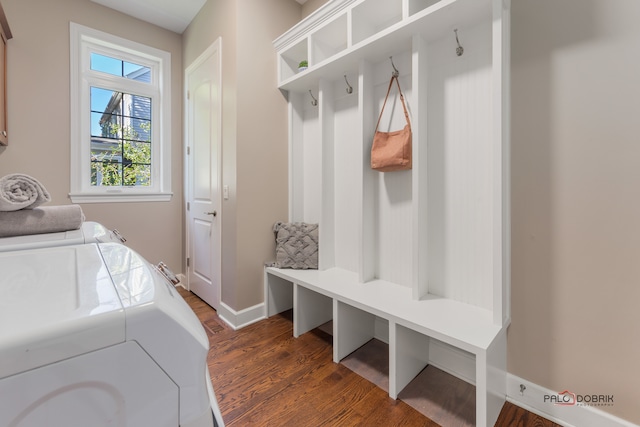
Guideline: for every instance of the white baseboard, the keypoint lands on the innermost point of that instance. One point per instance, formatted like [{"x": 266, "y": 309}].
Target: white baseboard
[
  {"x": 533, "y": 399},
  {"x": 242, "y": 318}
]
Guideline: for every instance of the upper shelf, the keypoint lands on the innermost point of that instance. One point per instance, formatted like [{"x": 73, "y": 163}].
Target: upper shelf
[{"x": 340, "y": 34}]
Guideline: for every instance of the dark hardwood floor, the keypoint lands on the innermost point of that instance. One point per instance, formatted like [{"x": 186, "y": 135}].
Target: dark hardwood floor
[{"x": 263, "y": 376}]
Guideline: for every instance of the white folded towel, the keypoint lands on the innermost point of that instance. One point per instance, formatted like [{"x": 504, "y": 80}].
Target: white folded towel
[{"x": 20, "y": 191}]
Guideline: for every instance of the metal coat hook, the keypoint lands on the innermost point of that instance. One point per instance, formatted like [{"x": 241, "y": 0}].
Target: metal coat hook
[
  {"x": 349, "y": 89},
  {"x": 395, "y": 73},
  {"x": 459, "y": 49},
  {"x": 314, "y": 101}
]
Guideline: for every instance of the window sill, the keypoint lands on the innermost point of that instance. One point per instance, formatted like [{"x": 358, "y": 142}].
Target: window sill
[{"x": 119, "y": 197}]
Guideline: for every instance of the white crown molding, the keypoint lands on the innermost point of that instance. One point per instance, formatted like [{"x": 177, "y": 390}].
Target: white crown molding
[{"x": 323, "y": 14}]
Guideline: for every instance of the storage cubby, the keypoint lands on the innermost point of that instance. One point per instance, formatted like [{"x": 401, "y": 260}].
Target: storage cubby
[
  {"x": 424, "y": 252},
  {"x": 462, "y": 203},
  {"x": 409, "y": 355},
  {"x": 305, "y": 151},
  {"x": 291, "y": 58},
  {"x": 353, "y": 328},
  {"x": 347, "y": 158},
  {"x": 329, "y": 40},
  {"x": 278, "y": 294},
  {"x": 390, "y": 199},
  {"x": 416, "y": 6},
  {"x": 371, "y": 17},
  {"x": 311, "y": 309}
]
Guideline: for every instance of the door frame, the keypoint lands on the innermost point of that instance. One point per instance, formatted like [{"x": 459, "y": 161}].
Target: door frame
[{"x": 216, "y": 263}]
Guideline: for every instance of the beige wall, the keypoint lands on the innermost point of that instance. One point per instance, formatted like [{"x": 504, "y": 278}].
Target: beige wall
[
  {"x": 254, "y": 134},
  {"x": 38, "y": 115},
  {"x": 311, "y": 6},
  {"x": 262, "y": 140},
  {"x": 576, "y": 198}
]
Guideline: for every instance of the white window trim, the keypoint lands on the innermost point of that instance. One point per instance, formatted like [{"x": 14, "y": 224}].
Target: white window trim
[{"x": 84, "y": 40}]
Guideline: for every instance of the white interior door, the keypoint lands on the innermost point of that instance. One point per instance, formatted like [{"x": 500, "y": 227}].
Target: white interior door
[{"x": 203, "y": 176}]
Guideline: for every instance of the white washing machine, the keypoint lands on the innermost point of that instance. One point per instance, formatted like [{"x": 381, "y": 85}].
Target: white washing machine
[
  {"x": 89, "y": 232},
  {"x": 93, "y": 335}
]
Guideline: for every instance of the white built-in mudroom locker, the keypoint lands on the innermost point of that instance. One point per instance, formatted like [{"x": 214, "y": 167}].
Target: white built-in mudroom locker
[{"x": 418, "y": 259}]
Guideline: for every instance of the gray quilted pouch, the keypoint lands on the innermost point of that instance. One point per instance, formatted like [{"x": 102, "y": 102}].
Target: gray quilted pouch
[{"x": 296, "y": 245}]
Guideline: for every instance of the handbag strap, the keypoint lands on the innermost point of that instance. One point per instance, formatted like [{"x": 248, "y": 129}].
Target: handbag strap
[{"x": 404, "y": 107}]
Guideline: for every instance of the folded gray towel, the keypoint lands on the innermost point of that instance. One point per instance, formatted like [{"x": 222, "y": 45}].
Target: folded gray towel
[
  {"x": 46, "y": 219},
  {"x": 20, "y": 191}
]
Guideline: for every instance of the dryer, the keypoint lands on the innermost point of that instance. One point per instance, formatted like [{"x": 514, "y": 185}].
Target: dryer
[{"x": 94, "y": 335}]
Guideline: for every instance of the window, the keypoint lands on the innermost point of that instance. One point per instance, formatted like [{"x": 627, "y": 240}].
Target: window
[{"x": 120, "y": 119}]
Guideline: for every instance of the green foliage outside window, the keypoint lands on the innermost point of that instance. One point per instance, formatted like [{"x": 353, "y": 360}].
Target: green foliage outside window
[{"x": 126, "y": 162}]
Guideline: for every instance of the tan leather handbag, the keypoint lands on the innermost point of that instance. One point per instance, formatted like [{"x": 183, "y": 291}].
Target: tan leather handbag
[{"x": 391, "y": 151}]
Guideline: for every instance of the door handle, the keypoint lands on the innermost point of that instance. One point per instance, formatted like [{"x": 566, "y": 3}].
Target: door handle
[{"x": 214, "y": 213}]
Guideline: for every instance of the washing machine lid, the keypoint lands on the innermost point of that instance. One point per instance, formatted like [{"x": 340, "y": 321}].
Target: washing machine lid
[
  {"x": 147, "y": 297},
  {"x": 55, "y": 303},
  {"x": 89, "y": 232},
  {"x": 95, "y": 232}
]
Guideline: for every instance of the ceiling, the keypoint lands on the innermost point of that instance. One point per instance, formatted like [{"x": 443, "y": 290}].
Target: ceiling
[{"x": 170, "y": 14}]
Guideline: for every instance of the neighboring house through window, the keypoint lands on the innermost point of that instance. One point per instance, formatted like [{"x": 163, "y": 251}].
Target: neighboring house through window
[{"x": 120, "y": 119}]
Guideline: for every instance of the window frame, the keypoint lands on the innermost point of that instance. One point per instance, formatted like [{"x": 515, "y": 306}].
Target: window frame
[{"x": 84, "y": 41}]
